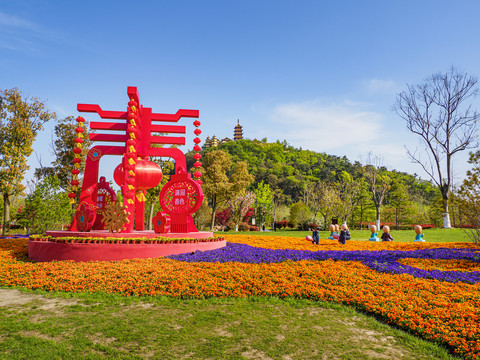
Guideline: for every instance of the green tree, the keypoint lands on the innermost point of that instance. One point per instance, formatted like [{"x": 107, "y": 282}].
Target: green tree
[
  {"x": 300, "y": 215},
  {"x": 348, "y": 192},
  {"x": 21, "y": 118},
  {"x": 47, "y": 207},
  {"x": 469, "y": 194},
  {"x": 264, "y": 196},
  {"x": 62, "y": 148},
  {"x": 221, "y": 179}
]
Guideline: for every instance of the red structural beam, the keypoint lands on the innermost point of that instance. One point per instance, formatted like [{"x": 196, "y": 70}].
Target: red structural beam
[
  {"x": 175, "y": 117},
  {"x": 108, "y": 137},
  {"x": 172, "y": 140},
  {"x": 95, "y": 125},
  {"x": 102, "y": 113},
  {"x": 173, "y": 129}
]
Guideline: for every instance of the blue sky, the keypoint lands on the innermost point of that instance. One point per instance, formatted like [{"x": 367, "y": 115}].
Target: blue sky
[{"x": 321, "y": 75}]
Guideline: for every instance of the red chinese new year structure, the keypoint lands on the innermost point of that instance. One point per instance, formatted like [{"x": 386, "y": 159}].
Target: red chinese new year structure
[{"x": 97, "y": 208}]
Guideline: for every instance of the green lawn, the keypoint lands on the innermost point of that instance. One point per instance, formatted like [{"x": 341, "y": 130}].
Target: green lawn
[
  {"x": 430, "y": 235},
  {"x": 39, "y": 325}
]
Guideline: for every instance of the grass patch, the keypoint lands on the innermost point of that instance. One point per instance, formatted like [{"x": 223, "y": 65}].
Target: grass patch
[
  {"x": 36, "y": 324},
  {"x": 430, "y": 235}
]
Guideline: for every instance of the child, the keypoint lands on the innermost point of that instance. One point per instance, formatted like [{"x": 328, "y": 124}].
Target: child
[{"x": 386, "y": 234}]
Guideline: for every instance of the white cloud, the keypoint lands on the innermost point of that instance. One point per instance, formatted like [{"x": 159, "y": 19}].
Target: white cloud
[
  {"x": 379, "y": 86},
  {"x": 324, "y": 127},
  {"x": 16, "y": 22}
]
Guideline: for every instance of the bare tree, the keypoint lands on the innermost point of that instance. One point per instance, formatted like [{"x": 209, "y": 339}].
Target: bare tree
[
  {"x": 436, "y": 110},
  {"x": 378, "y": 182}
]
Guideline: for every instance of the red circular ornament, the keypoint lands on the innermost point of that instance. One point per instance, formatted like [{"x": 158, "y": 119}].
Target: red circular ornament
[
  {"x": 79, "y": 129},
  {"x": 132, "y": 103},
  {"x": 197, "y": 164},
  {"x": 197, "y": 140},
  {"x": 197, "y": 132},
  {"x": 199, "y": 182},
  {"x": 80, "y": 119},
  {"x": 77, "y": 150},
  {"x": 197, "y": 156},
  {"x": 197, "y": 174},
  {"x": 197, "y": 123},
  {"x": 75, "y": 171},
  {"x": 74, "y": 182},
  {"x": 72, "y": 195},
  {"x": 78, "y": 140},
  {"x": 131, "y": 115},
  {"x": 131, "y": 142},
  {"x": 77, "y": 160},
  {"x": 197, "y": 148}
]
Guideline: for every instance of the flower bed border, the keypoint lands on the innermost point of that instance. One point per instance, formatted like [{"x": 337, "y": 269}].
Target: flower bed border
[{"x": 49, "y": 248}]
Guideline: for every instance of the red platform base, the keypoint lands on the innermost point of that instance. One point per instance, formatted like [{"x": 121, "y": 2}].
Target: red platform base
[
  {"x": 136, "y": 234},
  {"x": 110, "y": 251}
]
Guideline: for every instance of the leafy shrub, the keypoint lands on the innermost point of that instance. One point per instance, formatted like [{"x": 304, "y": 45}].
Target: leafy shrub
[{"x": 243, "y": 226}]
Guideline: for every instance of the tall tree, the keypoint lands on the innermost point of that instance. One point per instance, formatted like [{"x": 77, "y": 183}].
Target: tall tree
[
  {"x": 439, "y": 112},
  {"x": 21, "y": 118},
  {"x": 469, "y": 193},
  {"x": 62, "y": 148},
  {"x": 378, "y": 183},
  {"x": 220, "y": 181},
  {"x": 264, "y": 195},
  {"x": 239, "y": 205},
  {"x": 348, "y": 193},
  {"x": 47, "y": 207}
]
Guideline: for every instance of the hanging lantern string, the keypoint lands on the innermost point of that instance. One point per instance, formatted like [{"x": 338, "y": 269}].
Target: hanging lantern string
[
  {"x": 197, "y": 150},
  {"x": 77, "y": 151},
  {"x": 130, "y": 155}
]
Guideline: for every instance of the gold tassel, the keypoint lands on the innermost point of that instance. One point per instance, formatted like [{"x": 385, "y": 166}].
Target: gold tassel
[
  {"x": 130, "y": 201},
  {"x": 131, "y": 161},
  {"x": 132, "y": 122},
  {"x": 80, "y": 135},
  {"x": 131, "y": 187},
  {"x": 131, "y": 172},
  {"x": 141, "y": 197},
  {"x": 132, "y": 149},
  {"x": 76, "y": 166},
  {"x": 72, "y": 201}
]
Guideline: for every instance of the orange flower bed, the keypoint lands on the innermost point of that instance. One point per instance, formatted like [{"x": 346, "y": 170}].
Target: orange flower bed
[
  {"x": 440, "y": 264},
  {"x": 444, "y": 312}
]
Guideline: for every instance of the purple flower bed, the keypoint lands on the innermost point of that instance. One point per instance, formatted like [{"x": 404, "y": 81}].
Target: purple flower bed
[{"x": 385, "y": 261}]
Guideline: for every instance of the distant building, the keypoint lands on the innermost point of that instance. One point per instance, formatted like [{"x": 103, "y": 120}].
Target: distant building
[
  {"x": 238, "y": 132},
  {"x": 214, "y": 142}
]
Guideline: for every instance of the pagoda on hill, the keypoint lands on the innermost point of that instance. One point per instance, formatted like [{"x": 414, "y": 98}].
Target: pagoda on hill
[{"x": 238, "y": 132}]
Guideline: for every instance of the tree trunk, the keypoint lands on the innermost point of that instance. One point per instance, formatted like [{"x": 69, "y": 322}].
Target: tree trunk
[
  {"x": 150, "y": 216},
  {"x": 6, "y": 214},
  {"x": 446, "y": 215},
  {"x": 361, "y": 217},
  {"x": 397, "y": 210},
  {"x": 378, "y": 217},
  {"x": 213, "y": 219}
]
